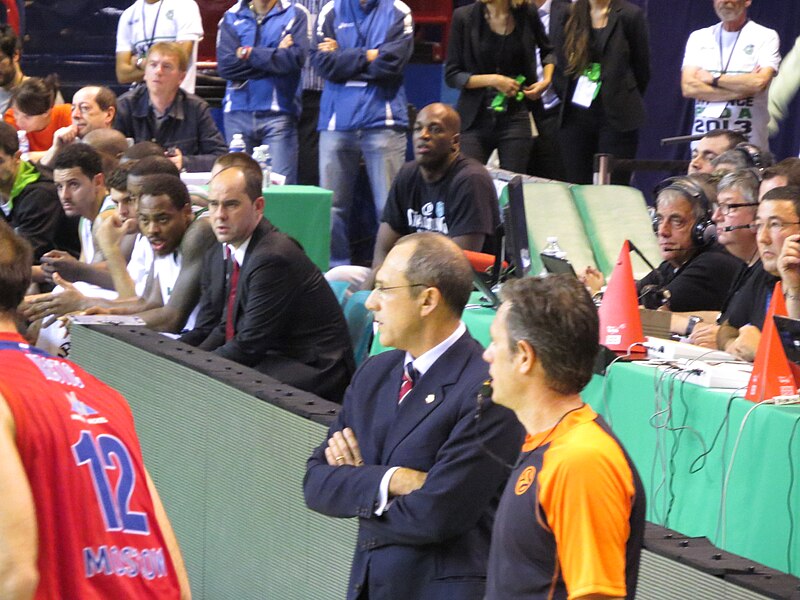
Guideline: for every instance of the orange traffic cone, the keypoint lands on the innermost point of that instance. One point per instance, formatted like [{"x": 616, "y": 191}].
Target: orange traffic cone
[
  {"x": 620, "y": 323},
  {"x": 772, "y": 376}
]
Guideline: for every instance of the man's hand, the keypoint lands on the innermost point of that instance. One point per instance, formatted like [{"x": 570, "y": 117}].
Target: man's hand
[
  {"x": 175, "y": 155},
  {"x": 52, "y": 306},
  {"x": 592, "y": 279},
  {"x": 343, "y": 449},
  {"x": 63, "y": 263},
  {"x": 112, "y": 230},
  {"x": 64, "y": 136},
  {"x": 328, "y": 45},
  {"x": 789, "y": 265},
  {"x": 404, "y": 481},
  {"x": 705, "y": 335},
  {"x": 745, "y": 345},
  {"x": 286, "y": 42},
  {"x": 372, "y": 54}
]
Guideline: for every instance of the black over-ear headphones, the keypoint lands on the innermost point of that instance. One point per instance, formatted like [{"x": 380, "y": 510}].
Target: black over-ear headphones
[
  {"x": 704, "y": 231},
  {"x": 753, "y": 155}
]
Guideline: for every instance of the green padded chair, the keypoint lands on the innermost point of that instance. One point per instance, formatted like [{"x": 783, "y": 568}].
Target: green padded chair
[
  {"x": 359, "y": 323},
  {"x": 550, "y": 211},
  {"x": 612, "y": 214}
]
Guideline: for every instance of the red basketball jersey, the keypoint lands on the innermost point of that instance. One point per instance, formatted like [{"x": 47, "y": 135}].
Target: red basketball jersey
[{"x": 98, "y": 535}]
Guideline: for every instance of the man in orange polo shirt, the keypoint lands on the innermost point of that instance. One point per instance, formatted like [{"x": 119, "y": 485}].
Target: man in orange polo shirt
[{"x": 571, "y": 519}]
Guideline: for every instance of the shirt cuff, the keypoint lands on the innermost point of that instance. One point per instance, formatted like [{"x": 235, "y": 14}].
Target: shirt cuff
[{"x": 383, "y": 493}]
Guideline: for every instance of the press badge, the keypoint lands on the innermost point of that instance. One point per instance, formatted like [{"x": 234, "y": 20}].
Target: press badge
[{"x": 588, "y": 86}]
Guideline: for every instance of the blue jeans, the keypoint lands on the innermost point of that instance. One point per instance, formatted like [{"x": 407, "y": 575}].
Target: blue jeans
[
  {"x": 279, "y": 130},
  {"x": 340, "y": 153}
]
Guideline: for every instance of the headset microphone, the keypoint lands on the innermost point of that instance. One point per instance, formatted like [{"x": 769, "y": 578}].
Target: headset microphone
[
  {"x": 484, "y": 394},
  {"x": 735, "y": 227}
]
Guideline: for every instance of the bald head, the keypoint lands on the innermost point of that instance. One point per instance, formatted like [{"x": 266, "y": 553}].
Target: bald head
[
  {"x": 437, "y": 261},
  {"x": 108, "y": 141},
  {"x": 436, "y": 139}
]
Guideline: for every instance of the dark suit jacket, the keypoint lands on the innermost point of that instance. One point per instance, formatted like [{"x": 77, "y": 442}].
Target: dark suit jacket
[
  {"x": 434, "y": 542},
  {"x": 288, "y": 323},
  {"x": 624, "y": 65},
  {"x": 464, "y": 58}
]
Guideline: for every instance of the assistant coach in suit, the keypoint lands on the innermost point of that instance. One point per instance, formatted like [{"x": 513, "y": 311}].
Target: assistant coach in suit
[
  {"x": 282, "y": 317},
  {"x": 406, "y": 454}
]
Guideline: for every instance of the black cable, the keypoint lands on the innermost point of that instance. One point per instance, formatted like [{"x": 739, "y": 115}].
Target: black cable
[{"x": 703, "y": 455}]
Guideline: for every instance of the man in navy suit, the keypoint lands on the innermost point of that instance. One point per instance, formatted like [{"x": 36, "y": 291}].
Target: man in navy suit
[{"x": 407, "y": 453}]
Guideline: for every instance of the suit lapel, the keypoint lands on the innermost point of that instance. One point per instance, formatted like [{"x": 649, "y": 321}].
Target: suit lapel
[
  {"x": 427, "y": 395},
  {"x": 241, "y": 288},
  {"x": 475, "y": 37},
  {"x": 613, "y": 19}
]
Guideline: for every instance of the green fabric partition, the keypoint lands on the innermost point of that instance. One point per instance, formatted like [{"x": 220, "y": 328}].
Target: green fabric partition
[
  {"x": 667, "y": 425},
  {"x": 550, "y": 211},
  {"x": 612, "y": 214},
  {"x": 229, "y": 468},
  {"x": 303, "y": 212}
]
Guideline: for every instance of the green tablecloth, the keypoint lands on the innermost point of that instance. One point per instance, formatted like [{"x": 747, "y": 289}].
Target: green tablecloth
[
  {"x": 667, "y": 425},
  {"x": 304, "y": 212}
]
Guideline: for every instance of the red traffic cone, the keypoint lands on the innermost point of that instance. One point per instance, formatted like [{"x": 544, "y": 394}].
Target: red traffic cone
[
  {"x": 772, "y": 376},
  {"x": 620, "y": 323}
]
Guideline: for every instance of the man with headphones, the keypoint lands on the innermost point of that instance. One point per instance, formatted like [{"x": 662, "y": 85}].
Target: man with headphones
[{"x": 697, "y": 272}]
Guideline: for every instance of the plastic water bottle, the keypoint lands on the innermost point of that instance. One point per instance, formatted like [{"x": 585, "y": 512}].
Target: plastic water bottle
[
  {"x": 237, "y": 143},
  {"x": 24, "y": 145},
  {"x": 266, "y": 169},
  {"x": 552, "y": 249},
  {"x": 261, "y": 159}
]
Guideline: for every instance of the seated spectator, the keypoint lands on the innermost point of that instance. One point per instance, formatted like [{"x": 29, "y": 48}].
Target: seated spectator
[
  {"x": 93, "y": 108},
  {"x": 141, "y": 150},
  {"x": 262, "y": 96},
  {"x": 264, "y": 303},
  {"x": 786, "y": 172},
  {"x": 34, "y": 111},
  {"x": 710, "y": 146},
  {"x": 10, "y": 71},
  {"x": 733, "y": 215},
  {"x": 441, "y": 190},
  {"x": 162, "y": 112},
  {"x": 697, "y": 272},
  {"x": 29, "y": 202}
]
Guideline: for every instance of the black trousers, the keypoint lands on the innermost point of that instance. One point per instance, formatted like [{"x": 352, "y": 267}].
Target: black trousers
[
  {"x": 545, "y": 160},
  {"x": 308, "y": 139},
  {"x": 508, "y": 132},
  {"x": 586, "y": 132}
]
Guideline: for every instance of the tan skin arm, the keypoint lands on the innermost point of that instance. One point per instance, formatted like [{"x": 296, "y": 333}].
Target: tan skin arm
[
  {"x": 693, "y": 86},
  {"x": 170, "y": 540},
  {"x": 18, "y": 535}
]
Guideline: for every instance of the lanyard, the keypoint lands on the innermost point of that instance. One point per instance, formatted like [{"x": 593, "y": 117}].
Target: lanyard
[
  {"x": 144, "y": 29},
  {"x": 724, "y": 69}
]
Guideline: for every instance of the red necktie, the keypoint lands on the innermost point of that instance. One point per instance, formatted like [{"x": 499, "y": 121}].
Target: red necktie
[
  {"x": 234, "y": 280},
  {"x": 409, "y": 376}
]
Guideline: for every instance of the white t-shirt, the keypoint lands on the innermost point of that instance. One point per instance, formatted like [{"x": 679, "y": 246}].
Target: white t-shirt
[
  {"x": 139, "y": 263},
  {"x": 143, "y": 24},
  {"x": 166, "y": 269},
  {"x": 755, "y": 46}
]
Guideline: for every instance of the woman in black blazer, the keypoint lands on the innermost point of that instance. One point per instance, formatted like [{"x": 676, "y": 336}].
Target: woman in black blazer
[
  {"x": 614, "y": 35},
  {"x": 492, "y": 42}
]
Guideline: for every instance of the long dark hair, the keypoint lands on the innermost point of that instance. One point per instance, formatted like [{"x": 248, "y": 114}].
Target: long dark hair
[{"x": 576, "y": 38}]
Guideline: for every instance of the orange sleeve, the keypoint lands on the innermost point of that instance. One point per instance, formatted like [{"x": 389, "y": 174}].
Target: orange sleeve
[
  {"x": 587, "y": 492},
  {"x": 9, "y": 118}
]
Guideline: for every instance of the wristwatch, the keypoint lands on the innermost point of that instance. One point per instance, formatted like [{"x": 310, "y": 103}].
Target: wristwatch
[
  {"x": 690, "y": 325},
  {"x": 140, "y": 63},
  {"x": 715, "y": 81}
]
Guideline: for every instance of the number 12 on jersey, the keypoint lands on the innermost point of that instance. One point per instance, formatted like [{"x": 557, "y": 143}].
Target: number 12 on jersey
[{"x": 99, "y": 455}]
